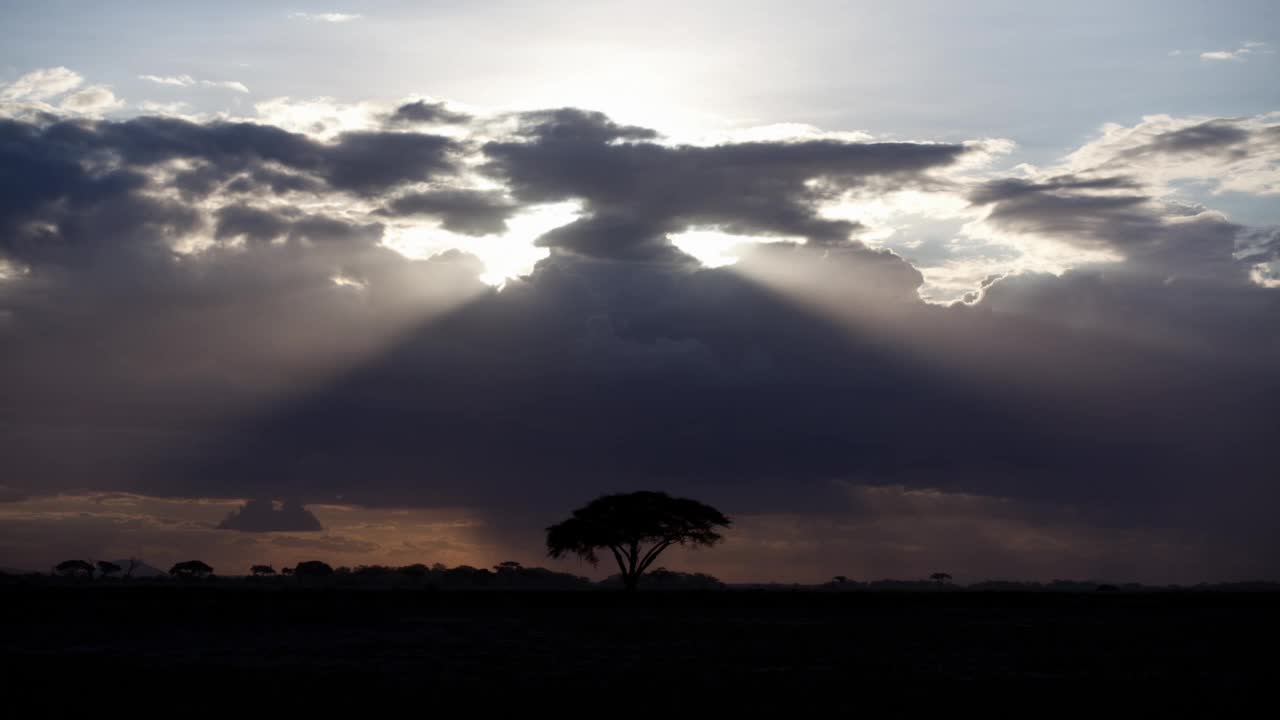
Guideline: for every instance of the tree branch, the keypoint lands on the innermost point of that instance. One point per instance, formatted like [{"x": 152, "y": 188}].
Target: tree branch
[
  {"x": 653, "y": 554},
  {"x": 617, "y": 555}
]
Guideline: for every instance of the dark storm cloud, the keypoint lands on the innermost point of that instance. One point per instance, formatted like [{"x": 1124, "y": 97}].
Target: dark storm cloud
[
  {"x": 578, "y": 126},
  {"x": 636, "y": 191},
  {"x": 368, "y": 162},
  {"x": 256, "y": 225},
  {"x": 358, "y": 162},
  {"x": 1061, "y": 210},
  {"x": 263, "y": 179},
  {"x": 1009, "y": 188},
  {"x": 468, "y": 212},
  {"x": 1113, "y": 213},
  {"x": 1134, "y": 394},
  {"x": 52, "y": 209},
  {"x": 264, "y": 516},
  {"x": 1215, "y": 136},
  {"x": 1259, "y": 244},
  {"x": 422, "y": 111},
  {"x": 119, "y": 349}
]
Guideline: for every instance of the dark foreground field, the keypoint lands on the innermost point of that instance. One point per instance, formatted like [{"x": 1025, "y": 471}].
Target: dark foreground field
[{"x": 346, "y": 648}]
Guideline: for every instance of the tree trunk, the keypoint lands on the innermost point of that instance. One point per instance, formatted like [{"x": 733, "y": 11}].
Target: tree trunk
[{"x": 630, "y": 581}]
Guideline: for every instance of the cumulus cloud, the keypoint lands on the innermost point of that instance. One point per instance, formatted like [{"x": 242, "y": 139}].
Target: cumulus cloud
[
  {"x": 41, "y": 84},
  {"x": 638, "y": 191},
  {"x": 30, "y": 96},
  {"x": 1221, "y": 154},
  {"x": 91, "y": 101},
  {"x": 323, "y": 117},
  {"x": 266, "y": 516}
]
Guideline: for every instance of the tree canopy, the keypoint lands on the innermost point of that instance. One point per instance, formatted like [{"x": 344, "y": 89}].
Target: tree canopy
[
  {"x": 312, "y": 568},
  {"x": 190, "y": 569},
  {"x": 74, "y": 568},
  {"x": 635, "y": 527}
]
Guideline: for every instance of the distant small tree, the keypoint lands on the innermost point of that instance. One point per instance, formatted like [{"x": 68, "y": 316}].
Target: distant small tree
[
  {"x": 191, "y": 569},
  {"x": 262, "y": 570},
  {"x": 286, "y": 571},
  {"x": 312, "y": 569},
  {"x": 508, "y": 566},
  {"x": 940, "y": 578},
  {"x": 839, "y": 579},
  {"x": 635, "y": 527},
  {"x": 107, "y": 569},
  {"x": 74, "y": 568}
]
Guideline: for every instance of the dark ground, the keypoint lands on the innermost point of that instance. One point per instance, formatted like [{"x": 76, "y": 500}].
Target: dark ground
[{"x": 343, "y": 649}]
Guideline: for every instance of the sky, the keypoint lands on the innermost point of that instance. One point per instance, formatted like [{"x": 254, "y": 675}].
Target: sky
[{"x": 986, "y": 288}]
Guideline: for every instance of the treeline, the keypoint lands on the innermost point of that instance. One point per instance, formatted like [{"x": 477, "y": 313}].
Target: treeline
[{"x": 505, "y": 575}]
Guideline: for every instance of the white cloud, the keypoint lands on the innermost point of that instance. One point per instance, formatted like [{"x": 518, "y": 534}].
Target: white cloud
[
  {"x": 329, "y": 17},
  {"x": 176, "y": 109},
  {"x": 321, "y": 117},
  {"x": 1145, "y": 152},
  {"x": 188, "y": 81},
  {"x": 1240, "y": 53},
  {"x": 32, "y": 94},
  {"x": 225, "y": 84},
  {"x": 179, "y": 80},
  {"x": 91, "y": 101},
  {"x": 41, "y": 84}
]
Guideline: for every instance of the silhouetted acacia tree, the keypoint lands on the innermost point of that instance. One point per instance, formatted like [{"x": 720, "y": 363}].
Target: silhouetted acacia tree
[
  {"x": 107, "y": 569},
  {"x": 312, "y": 568},
  {"x": 190, "y": 569},
  {"x": 261, "y": 570},
  {"x": 74, "y": 568},
  {"x": 636, "y": 527},
  {"x": 940, "y": 578},
  {"x": 286, "y": 571}
]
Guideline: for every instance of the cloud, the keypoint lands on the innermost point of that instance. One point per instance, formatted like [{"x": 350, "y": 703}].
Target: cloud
[
  {"x": 637, "y": 191},
  {"x": 91, "y": 101},
  {"x": 178, "y": 80},
  {"x": 41, "y": 85},
  {"x": 29, "y": 97},
  {"x": 188, "y": 81},
  {"x": 209, "y": 308},
  {"x": 1240, "y": 53},
  {"x": 322, "y": 118},
  {"x": 327, "y": 17},
  {"x": 421, "y": 111},
  {"x": 226, "y": 84},
  {"x": 469, "y": 212},
  {"x": 266, "y": 516}
]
